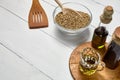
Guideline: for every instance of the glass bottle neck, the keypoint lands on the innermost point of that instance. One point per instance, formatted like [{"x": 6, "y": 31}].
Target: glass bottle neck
[{"x": 103, "y": 24}]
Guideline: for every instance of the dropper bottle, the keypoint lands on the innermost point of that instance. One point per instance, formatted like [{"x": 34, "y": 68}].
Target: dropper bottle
[{"x": 101, "y": 33}]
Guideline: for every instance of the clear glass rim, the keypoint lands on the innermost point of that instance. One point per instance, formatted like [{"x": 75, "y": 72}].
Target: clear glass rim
[{"x": 95, "y": 52}]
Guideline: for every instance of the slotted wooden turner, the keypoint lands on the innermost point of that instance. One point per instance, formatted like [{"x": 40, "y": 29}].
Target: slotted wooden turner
[{"x": 37, "y": 17}]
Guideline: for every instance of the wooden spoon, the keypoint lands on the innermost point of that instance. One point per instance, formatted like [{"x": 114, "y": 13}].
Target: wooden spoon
[{"x": 66, "y": 10}]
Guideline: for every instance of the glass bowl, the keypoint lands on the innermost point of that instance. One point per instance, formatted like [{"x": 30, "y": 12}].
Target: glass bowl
[{"x": 74, "y": 6}]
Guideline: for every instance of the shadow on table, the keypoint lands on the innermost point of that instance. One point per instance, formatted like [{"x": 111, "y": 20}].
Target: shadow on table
[{"x": 73, "y": 40}]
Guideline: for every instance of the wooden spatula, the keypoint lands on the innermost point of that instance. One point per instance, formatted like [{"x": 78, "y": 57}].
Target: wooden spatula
[{"x": 37, "y": 17}]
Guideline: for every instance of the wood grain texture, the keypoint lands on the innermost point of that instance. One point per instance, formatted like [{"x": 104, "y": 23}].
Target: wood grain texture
[
  {"x": 37, "y": 16},
  {"x": 106, "y": 74}
]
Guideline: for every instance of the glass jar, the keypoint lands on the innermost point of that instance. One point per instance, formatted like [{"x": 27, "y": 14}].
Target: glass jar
[{"x": 112, "y": 55}]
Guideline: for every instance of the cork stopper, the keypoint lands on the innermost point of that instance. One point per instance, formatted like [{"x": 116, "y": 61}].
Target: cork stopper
[
  {"x": 116, "y": 35},
  {"x": 108, "y": 11},
  {"x": 106, "y": 17}
]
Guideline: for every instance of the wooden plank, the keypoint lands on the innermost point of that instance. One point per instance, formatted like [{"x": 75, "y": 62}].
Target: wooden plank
[{"x": 12, "y": 67}]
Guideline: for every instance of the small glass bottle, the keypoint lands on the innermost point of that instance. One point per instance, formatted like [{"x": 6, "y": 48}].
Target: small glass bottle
[
  {"x": 99, "y": 37},
  {"x": 100, "y": 33},
  {"x": 112, "y": 55}
]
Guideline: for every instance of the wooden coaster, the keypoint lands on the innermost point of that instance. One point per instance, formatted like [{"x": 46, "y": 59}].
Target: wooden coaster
[{"x": 106, "y": 74}]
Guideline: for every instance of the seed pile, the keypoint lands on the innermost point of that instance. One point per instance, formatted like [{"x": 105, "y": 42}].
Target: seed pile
[{"x": 72, "y": 21}]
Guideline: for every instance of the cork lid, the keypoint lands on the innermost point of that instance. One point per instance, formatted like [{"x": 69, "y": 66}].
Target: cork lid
[
  {"x": 106, "y": 17},
  {"x": 117, "y": 32},
  {"x": 109, "y": 8},
  {"x": 116, "y": 35}
]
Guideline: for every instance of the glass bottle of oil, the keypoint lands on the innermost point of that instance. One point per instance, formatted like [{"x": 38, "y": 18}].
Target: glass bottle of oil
[
  {"x": 112, "y": 55},
  {"x": 101, "y": 33},
  {"x": 99, "y": 37}
]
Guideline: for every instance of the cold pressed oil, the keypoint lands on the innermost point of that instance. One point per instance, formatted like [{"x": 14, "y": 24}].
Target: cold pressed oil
[
  {"x": 99, "y": 37},
  {"x": 91, "y": 66}
]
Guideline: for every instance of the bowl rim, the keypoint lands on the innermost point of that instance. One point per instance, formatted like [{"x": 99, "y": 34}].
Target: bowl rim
[{"x": 76, "y": 30}]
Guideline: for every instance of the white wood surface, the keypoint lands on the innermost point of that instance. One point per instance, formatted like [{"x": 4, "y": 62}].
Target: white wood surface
[
  {"x": 13, "y": 67},
  {"x": 42, "y": 54}
]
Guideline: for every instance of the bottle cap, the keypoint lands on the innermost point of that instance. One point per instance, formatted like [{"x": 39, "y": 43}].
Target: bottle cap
[
  {"x": 108, "y": 11},
  {"x": 106, "y": 17},
  {"x": 116, "y": 35}
]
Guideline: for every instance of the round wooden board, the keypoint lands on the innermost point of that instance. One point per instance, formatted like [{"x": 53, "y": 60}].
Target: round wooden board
[{"x": 106, "y": 74}]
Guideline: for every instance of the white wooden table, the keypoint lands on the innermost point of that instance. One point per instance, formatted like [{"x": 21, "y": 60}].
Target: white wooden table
[{"x": 42, "y": 54}]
